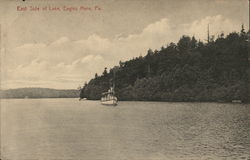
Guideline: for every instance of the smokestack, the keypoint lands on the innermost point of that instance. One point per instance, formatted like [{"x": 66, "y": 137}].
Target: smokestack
[{"x": 208, "y": 36}]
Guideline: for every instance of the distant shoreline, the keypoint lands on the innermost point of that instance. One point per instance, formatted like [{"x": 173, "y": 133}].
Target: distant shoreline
[
  {"x": 34, "y": 93},
  {"x": 44, "y": 98},
  {"x": 225, "y": 102}
]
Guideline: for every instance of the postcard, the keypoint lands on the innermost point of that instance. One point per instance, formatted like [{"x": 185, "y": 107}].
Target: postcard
[{"x": 124, "y": 80}]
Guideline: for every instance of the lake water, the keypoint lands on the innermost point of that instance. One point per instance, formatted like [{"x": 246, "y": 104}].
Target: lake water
[{"x": 68, "y": 129}]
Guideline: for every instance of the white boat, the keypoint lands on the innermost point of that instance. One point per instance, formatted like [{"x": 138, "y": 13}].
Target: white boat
[
  {"x": 109, "y": 98},
  {"x": 236, "y": 101},
  {"x": 82, "y": 99}
]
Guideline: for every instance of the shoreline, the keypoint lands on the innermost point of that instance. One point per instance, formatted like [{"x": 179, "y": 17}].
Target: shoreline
[{"x": 77, "y": 98}]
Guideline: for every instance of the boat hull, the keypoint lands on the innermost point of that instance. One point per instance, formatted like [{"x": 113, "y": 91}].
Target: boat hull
[{"x": 109, "y": 102}]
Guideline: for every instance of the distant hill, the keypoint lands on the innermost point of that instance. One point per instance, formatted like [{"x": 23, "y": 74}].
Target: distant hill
[{"x": 39, "y": 93}]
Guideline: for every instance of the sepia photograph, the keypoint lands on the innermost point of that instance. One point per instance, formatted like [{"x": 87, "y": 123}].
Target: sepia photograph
[{"x": 124, "y": 79}]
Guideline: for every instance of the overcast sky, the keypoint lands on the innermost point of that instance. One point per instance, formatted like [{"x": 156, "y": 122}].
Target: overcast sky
[{"x": 62, "y": 49}]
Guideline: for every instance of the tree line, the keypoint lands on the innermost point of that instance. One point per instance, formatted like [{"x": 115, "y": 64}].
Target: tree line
[
  {"x": 39, "y": 93},
  {"x": 190, "y": 70}
]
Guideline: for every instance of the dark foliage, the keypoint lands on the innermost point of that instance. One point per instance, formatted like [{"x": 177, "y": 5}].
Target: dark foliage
[
  {"x": 39, "y": 93},
  {"x": 186, "y": 71}
]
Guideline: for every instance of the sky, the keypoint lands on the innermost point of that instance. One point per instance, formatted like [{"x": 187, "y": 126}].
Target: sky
[{"x": 63, "y": 49}]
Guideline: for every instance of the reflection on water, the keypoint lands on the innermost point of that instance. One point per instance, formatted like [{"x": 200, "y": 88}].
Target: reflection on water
[{"x": 68, "y": 129}]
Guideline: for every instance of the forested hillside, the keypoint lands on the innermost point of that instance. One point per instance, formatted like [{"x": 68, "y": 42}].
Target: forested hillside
[
  {"x": 38, "y": 93},
  {"x": 190, "y": 70}
]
